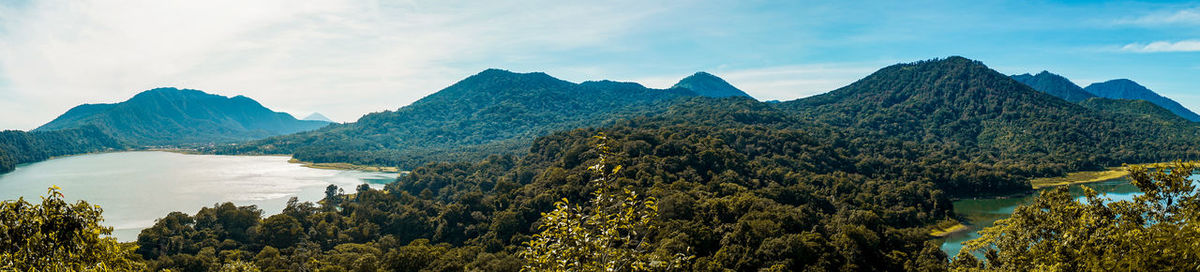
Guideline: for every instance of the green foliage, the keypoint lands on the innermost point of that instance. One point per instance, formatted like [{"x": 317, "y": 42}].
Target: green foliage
[
  {"x": 609, "y": 233},
  {"x": 17, "y": 147},
  {"x": 965, "y": 112},
  {"x": 1138, "y": 109},
  {"x": 59, "y": 236},
  {"x": 493, "y": 112},
  {"x": 1156, "y": 231},
  {"x": 844, "y": 181}
]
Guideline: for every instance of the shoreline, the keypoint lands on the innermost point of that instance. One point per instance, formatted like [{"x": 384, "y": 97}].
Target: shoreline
[
  {"x": 347, "y": 166},
  {"x": 1085, "y": 177},
  {"x": 946, "y": 231},
  {"x": 185, "y": 151}
]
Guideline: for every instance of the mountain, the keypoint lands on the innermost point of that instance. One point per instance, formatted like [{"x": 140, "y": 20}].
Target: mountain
[
  {"x": 848, "y": 180},
  {"x": 493, "y": 112},
  {"x": 705, "y": 84},
  {"x": 972, "y": 113},
  {"x": 316, "y": 116},
  {"x": 1127, "y": 89},
  {"x": 1055, "y": 85},
  {"x": 170, "y": 116}
]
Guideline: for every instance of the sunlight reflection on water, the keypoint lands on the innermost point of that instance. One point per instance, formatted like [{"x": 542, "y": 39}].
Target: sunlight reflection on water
[{"x": 135, "y": 188}]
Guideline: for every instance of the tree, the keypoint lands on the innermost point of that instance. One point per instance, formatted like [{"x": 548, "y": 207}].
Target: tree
[
  {"x": 1156, "y": 231},
  {"x": 58, "y": 236},
  {"x": 280, "y": 231},
  {"x": 610, "y": 233}
]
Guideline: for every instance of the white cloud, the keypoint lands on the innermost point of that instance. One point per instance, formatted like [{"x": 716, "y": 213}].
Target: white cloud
[
  {"x": 340, "y": 57},
  {"x": 1163, "y": 46},
  {"x": 1182, "y": 16}
]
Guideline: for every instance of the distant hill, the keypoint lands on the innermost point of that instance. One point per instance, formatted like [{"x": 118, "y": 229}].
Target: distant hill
[
  {"x": 170, "y": 116},
  {"x": 1127, "y": 89},
  {"x": 1055, "y": 85},
  {"x": 316, "y": 116},
  {"x": 705, "y": 84},
  {"x": 1135, "y": 108},
  {"x": 979, "y": 115},
  {"x": 493, "y": 112},
  {"x": 17, "y": 147}
]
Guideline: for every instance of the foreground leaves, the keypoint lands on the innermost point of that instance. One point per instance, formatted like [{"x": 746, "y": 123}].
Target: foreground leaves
[
  {"x": 58, "y": 236},
  {"x": 609, "y": 233},
  {"x": 1156, "y": 231}
]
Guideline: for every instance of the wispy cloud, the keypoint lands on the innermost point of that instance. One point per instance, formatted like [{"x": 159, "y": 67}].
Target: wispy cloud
[
  {"x": 1163, "y": 46},
  {"x": 1172, "y": 17},
  {"x": 340, "y": 57}
]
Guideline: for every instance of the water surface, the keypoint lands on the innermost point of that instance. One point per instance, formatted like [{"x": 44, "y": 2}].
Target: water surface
[
  {"x": 983, "y": 212},
  {"x": 135, "y": 188}
]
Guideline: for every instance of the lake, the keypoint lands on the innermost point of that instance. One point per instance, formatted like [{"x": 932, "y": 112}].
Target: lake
[
  {"x": 983, "y": 212},
  {"x": 135, "y": 188}
]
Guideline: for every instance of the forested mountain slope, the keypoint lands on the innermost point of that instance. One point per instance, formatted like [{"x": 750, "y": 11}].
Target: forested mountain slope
[
  {"x": 1137, "y": 108},
  {"x": 705, "y": 84},
  {"x": 1127, "y": 89},
  {"x": 972, "y": 113},
  {"x": 1055, "y": 85},
  {"x": 493, "y": 112},
  {"x": 17, "y": 147},
  {"x": 169, "y": 116}
]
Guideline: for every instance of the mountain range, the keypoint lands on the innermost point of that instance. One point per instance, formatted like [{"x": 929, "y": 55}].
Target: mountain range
[
  {"x": 1055, "y": 85},
  {"x": 492, "y": 112},
  {"x": 1127, "y": 89},
  {"x": 170, "y": 116},
  {"x": 1121, "y": 89},
  {"x": 847, "y": 180}
]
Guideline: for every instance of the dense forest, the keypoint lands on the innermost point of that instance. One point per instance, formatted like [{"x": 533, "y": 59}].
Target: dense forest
[
  {"x": 951, "y": 113},
  {"x": 493, "y": 112},
  {"x": 17, "y": 147},
  {"x": 174, "y": 117},
  {"x": 962, "y": 109},
  {"x": 732, "y": 190},
  {"x": 848, "y": 180}
]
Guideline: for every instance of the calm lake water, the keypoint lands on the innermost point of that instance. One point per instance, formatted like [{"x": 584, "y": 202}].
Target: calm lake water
[
  {"x": 982, "y": 213},
  {"x": 135, "y": 188}
]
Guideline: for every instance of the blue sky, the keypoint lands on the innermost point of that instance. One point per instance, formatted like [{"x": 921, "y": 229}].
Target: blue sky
[{"x": 348, "y": 58}]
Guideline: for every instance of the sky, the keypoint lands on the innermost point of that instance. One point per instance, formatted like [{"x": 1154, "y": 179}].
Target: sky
[{"x": 348, "y": 58}]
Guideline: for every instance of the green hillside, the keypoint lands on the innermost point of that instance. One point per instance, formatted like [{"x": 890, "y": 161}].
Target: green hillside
[
  {"x": 169, "y": 116},
  {"x": 17, "y": 147},
  {"x": 493, "y": 112}
]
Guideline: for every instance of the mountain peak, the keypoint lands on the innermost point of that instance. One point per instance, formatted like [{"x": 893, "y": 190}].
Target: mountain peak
[
  {"x": 317, "y": 116},
  {"x": 174, "y": 116},
  {"x": 1055, "y": 85},
  {"x": 705, "y": 84},
  {"x": 1128, "y": 89}
]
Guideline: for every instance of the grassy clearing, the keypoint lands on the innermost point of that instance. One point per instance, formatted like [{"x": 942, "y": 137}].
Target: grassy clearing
[
  {"x": 946, "y": 228},
  {"x": 1085, "y": 177},
  {"x": 1080, "y": 178},
  {"x": 346, "y": 166}
]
